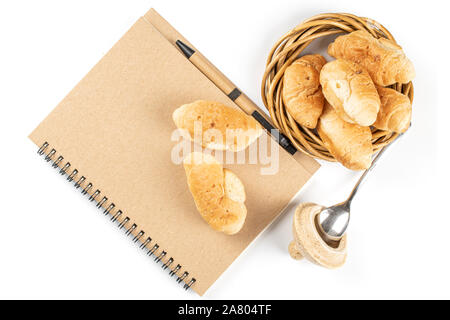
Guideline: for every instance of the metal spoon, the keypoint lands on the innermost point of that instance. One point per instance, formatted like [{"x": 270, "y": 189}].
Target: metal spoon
[{"x": 332, "y": 222}]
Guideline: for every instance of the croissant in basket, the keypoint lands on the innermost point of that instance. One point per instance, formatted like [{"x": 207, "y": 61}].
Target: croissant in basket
[
  {"x": 395, "y": 111},
  {"x": 384, "y": 59},
  {"x": 349, "y": 143},
  {"x": 350, "y": 90},
  {"x": 301, "y": 90},
  {"x": 367, "y": 90}
]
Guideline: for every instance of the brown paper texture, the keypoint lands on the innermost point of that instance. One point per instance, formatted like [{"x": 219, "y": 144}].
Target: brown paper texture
[{"x": 115, "y": 128}]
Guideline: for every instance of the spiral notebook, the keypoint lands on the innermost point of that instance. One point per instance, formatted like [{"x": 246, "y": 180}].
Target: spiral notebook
[{"x": 111, "y": 137}]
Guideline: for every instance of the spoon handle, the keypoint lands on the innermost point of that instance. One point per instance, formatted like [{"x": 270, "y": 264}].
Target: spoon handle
[{"x": 361, "y": 179}]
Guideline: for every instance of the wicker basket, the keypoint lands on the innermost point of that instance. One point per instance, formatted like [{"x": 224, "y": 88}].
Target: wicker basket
[{"x": 287, "y": 49}]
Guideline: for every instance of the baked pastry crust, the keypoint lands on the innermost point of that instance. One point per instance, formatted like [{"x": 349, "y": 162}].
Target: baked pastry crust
[
  {"x": 349, "y": 143},
  {"x": 350, "y": 90},
  {"x": 395, "y": 111},
  {"x": 222, "y": 127},
  {"x": 382, "y": 58},
  {"x": 218, "y": 193},
  {"x": 302, "y": 94}
]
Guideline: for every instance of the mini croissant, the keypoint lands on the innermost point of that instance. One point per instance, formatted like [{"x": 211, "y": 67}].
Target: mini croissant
[
  {"x": 302, "y": 94},
  {"x": 395, "y": 111},
  {"x": 384, "y": 59},
  {"x": 218, "y": 193},
  {"x": 350, "y": 144},
  {"x": 222, "y": 127},
  {"x": 350, "y": 91}
]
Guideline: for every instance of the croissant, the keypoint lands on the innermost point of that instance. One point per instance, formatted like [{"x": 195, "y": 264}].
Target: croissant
[
  {"x": 384, "y": 59},
  {"x": 220, "y": 119},
  {"x": 395, "y": 112},
  {"x": 349, "y": 143},
  {"x": 351, "y": 92},
  {"x": 218, "y": 193},
  {"x": 301, "y": 90}
]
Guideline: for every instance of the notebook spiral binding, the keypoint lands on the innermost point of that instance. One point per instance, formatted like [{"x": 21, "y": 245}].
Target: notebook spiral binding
[{"x": 116, "y": 214}]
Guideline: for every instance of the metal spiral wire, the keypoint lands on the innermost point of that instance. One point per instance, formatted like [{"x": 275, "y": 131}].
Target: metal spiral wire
[{"x": 116, "y": 215}]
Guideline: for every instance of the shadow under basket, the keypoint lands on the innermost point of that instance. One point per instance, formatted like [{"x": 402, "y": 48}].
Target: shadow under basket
[{"x": 288, "y": 49}]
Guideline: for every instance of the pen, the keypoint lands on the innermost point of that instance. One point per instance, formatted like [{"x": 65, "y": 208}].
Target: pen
[{"x": 227, "y": 87}]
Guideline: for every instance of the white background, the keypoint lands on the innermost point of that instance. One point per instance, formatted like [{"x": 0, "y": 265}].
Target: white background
[{"x": 53, "y": 244}]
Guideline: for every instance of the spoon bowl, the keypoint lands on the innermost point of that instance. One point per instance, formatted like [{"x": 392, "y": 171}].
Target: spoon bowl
[{"x": 332, "y": 222}]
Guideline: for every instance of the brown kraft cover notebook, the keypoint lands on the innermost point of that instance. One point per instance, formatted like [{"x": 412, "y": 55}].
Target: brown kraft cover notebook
[{"x": 112, "y": 133}]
